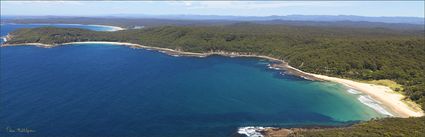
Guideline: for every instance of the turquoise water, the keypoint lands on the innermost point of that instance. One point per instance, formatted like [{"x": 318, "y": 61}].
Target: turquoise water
[
  {"x": 6, "y": 28},
  {"x": 109, "y": 90}
]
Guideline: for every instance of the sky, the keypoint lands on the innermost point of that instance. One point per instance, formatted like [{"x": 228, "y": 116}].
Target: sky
[{"x": 235, "y": 8}]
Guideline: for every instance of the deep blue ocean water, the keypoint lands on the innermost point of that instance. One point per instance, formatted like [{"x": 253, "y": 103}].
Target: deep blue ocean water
[{"x": 108, "y": 90}]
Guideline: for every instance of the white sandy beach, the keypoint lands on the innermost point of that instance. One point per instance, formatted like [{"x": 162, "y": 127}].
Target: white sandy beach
[
  {"x": 383, "y": 94},
  {"x": 113, "y": 28}
]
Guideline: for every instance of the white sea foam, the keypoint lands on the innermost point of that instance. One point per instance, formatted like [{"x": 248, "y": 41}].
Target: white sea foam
[
  {"x": 352, "y": 91},
  {"x": 347, "y": 85},
  {"x": 271, "y": 67},
  {"x": 369, "y": 101},
  {"x": 251, "y": 131}
]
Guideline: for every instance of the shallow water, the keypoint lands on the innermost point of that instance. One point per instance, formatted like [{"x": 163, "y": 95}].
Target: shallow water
[
  {"x": 6, "y": 28},
  {"x": 109, "y": 90}
]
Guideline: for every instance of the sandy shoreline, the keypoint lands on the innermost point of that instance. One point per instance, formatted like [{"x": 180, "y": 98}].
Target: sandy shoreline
[
  {"x": 112, "y": 28},
  {"x": 388, "y": 98}
]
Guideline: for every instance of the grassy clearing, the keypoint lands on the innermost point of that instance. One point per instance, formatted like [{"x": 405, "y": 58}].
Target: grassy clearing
[
  {"x": 386, "y": 82},
  {"x": 395, "y": 87}
]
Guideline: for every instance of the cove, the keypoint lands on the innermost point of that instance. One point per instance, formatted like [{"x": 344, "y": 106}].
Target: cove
[{"x": 110, "y": 90}]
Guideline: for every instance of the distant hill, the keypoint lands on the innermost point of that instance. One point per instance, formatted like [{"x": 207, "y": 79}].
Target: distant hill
[
  {"x": 326, "y": 18},
  {"x": 317, "y": 18},
  {"x": 129, "y": 22}
]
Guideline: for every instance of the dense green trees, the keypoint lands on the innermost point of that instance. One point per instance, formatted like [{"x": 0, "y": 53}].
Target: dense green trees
[{"x": 389, "y": 127}]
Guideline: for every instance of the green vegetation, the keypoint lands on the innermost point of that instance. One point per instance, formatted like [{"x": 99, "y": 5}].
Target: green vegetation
[
  {"x": 399, "y": 127},
  {"x": 155, "y": 22},
  {"x": 356, "y": 53},
  {"x": 386, "y": 82},
  {"x": 364, "y": 54}
]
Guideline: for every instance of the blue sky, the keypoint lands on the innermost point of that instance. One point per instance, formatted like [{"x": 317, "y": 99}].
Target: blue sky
[{"x": 237, "y": 8}]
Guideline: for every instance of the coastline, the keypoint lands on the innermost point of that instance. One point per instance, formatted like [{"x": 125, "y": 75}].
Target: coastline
[
  {"x": 112, "y": 28},
  {"x": 384, "y": 95}
]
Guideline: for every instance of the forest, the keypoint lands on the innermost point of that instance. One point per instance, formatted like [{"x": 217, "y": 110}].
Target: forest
[
  {"x": 156, "y": 22},
  {"x": 354, "y": 53},
  {"x": 389, "y": 127}
]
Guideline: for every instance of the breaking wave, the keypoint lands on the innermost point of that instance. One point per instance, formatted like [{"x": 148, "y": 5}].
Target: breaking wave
[
  {"x": 367, "y": 100},
  {"x": 352, "y": 91},
  {"x": 271, "y": 67},
  {"x": 251, "y": 131}
]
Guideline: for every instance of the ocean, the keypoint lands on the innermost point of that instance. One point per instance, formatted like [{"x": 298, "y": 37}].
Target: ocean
[{"x": 110, "y": 90}]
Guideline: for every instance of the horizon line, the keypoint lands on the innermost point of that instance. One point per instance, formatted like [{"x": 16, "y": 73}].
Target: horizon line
[{"x": 141, "y": 15}]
